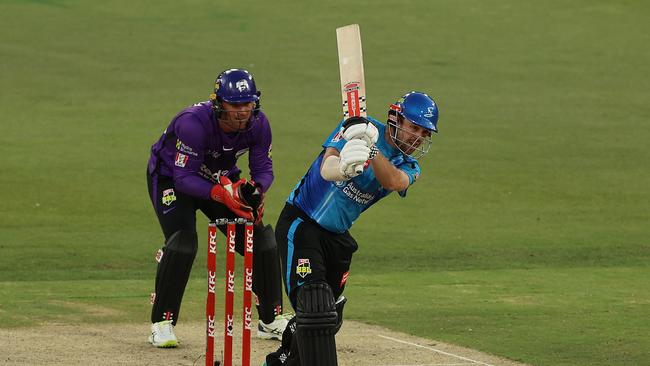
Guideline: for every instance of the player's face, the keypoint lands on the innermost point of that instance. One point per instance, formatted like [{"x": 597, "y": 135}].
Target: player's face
[
  {"x": 411, "y": 136},
  {"x": 234, "y": 117}
]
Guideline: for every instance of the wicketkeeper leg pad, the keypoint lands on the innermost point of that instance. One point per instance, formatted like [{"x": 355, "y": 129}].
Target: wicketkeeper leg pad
[
  {"x": 172, "y": 274},
  {"x": 267, "y": 275}
]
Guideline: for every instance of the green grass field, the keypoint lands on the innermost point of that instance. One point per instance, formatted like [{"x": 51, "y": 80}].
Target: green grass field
[{"x": 527, "y": 235}]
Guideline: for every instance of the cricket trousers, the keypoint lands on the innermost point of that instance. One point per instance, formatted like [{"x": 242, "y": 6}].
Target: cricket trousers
[
  {"x": 176, "y": 213},
  {"x": 309, "y": 254}
]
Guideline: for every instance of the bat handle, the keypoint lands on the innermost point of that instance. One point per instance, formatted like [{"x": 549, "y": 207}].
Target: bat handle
[{"x": 358, "y": 169}]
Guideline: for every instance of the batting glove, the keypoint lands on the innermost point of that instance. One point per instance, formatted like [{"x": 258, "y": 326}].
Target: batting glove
[
  {"x": 355, "y": 152},
  {"x": 360, "y": 128}
]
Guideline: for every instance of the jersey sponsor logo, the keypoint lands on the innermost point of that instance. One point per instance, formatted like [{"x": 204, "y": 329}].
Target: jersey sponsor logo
[
  {"x": 180, "y": 146},
  {"x": 168, "y": 197},
  {"x": 213, "y": 177},
  {"x": 181, "y": 160},
  {"x": 353, "y": 192},
  {"x": 303, "y": 268},
  {"x": 215, "y": 154}
]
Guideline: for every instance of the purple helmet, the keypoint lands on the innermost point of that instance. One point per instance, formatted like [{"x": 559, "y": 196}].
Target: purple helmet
[{"x": 235, "y": 86}]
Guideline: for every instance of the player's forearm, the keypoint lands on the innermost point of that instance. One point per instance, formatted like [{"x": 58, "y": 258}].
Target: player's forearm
[
  {"x": 262, "y": 173},
  {"x": 388, "y": 175},
  {"x": 260, "y": 164}
]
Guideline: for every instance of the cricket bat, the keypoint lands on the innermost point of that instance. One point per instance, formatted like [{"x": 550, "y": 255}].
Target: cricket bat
[{"x": 353, "y": 84}]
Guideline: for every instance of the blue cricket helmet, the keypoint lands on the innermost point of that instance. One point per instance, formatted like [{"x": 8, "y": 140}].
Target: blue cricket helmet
[
  {"x": 235, "y": 86},
  {"x": 418, "y": 108}
]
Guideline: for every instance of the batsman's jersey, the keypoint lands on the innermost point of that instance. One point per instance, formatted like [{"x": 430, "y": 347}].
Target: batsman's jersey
[
  {"x": 194, "y": 151},
  {"x": 336, "y": 205}
]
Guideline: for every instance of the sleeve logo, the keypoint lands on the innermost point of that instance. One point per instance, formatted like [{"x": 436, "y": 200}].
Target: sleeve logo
[{"x": 180, "y": 146}]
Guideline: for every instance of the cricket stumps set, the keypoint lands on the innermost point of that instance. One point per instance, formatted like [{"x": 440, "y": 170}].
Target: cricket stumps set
[{"x": 247, "y": 313}]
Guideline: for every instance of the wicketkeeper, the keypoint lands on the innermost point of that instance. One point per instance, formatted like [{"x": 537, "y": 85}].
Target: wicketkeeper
[
  {"x": 193, "y": 166},
  {"x": 312, "y": 230}
]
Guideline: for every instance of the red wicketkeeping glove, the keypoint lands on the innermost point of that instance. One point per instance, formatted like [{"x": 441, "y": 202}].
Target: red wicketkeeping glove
[{"x": 226, "y": 192}]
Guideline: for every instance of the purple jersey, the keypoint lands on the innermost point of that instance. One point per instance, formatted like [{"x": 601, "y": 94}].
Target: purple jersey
[{"x": 194, "y": 151}]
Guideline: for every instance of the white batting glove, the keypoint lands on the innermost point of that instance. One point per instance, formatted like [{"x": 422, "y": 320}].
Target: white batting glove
[
  {"x": 354, "y": 153},
  {"x": 364, "y": 131}
]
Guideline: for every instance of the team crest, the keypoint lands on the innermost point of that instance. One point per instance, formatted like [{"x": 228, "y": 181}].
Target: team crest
[
  {"x": 242, "y": 85},
  {"x": 429, "y": 113},
  {"x": 181, "y": 160},
  {"x": 303, "y": 268},
  {"x": 168, "y": 197}
]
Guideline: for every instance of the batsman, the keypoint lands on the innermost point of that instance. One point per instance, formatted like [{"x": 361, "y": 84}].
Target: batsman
[
  {"x": 362, "y": 161},
  {"x": 193, "y": 166}
]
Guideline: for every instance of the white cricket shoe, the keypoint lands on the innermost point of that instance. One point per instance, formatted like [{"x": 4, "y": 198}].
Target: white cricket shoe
[
  {"x": 274, "y": 329},
  {"x": 162, "y": 335}
]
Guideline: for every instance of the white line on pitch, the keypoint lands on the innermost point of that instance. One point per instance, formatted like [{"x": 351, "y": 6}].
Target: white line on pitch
[{"x": 434, "y": 350}]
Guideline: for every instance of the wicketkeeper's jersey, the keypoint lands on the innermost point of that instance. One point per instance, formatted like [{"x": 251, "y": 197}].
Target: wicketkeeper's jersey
[
  {"x": 194, "y": 151},
  {"x": 336, "y": 205}
]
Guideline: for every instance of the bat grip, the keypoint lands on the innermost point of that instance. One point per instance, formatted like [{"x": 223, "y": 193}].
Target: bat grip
[{"x": 358, "y": 169}]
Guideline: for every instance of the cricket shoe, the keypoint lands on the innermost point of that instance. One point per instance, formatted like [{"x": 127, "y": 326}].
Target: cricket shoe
[
  {"x": 274, "y": 329},
  {"x": 162, "y": 335}
]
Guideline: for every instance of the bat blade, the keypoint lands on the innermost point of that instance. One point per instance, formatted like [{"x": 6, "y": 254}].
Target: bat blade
[{"x": 353, "y": 84}]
